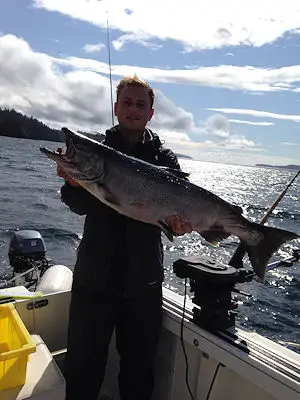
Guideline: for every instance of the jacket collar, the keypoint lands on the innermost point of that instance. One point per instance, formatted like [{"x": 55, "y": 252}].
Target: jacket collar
[{"x": 113, "y": 138}]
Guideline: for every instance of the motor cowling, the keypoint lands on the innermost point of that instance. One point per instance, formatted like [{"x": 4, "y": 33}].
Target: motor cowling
[{"x": 25, "y": 248}]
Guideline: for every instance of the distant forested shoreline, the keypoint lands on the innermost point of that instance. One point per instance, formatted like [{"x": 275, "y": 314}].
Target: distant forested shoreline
[
  {"x": 16, "y": 124},
  {"x": 290, "y": 166}
]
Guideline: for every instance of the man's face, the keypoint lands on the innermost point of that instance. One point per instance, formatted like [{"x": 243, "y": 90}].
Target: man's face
[{"x": 133, "y": 108}]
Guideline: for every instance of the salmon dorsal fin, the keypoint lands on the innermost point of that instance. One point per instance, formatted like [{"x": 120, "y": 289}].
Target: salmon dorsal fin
[{"x": 176, "y": 172}]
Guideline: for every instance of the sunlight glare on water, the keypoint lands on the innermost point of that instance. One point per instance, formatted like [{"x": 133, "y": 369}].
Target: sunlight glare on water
[{"x": 30, "y": 199}]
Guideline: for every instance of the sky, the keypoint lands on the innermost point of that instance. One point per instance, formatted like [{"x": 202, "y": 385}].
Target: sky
[{"x": 226, "y": 74}]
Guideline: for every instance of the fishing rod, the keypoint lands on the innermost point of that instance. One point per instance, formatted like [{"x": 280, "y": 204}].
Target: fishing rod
[
  {"x": 286, "y": 262},
  {"x": 237, "y": 258},
  {"x": 109, "y": 64}
]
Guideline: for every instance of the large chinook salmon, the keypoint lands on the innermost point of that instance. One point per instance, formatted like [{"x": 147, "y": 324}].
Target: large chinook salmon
[{"x": 151, "y": 194}]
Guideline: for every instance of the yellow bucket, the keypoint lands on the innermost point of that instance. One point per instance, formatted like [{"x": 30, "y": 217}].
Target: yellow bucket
[{"x": 15, "y": 346}]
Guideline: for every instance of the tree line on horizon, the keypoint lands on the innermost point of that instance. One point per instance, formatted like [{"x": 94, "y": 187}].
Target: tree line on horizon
[{"x": 16, "y": 124}]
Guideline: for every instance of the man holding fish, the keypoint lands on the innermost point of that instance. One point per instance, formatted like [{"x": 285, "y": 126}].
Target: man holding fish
[
  {"x": 131, "y": 189},
  {"x": 119, "y": 270}
]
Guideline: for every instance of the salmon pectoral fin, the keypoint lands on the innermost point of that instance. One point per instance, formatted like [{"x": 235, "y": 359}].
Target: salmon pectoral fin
[
  {"x": 214, "y": 235},
  {"x": 176, "y": 172},
  {"x": 111, "y": 198},
  {"x": 167, "y": 230},
  {"x": 237, "y": 209}
]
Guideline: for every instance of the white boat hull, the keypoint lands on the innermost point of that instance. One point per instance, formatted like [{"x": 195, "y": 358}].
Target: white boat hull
[{"x": 249, "y": 365}]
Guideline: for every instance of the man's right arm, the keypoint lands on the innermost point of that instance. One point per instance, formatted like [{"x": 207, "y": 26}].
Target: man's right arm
[{"x": 79, "y": 200}]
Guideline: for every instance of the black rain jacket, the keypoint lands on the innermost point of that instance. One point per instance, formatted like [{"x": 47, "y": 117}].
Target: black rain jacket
[{"x": 117, "y": 253}]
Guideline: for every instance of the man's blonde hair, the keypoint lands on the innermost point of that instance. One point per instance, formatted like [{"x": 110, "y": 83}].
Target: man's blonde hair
[{"x": 135, "y": 81}]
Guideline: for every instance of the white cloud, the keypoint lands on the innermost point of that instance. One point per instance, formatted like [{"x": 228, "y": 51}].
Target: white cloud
[
  {"x": 207, "y": 150},
  {"x": 241, "y": 141},
  {"x": 239, "y": 157},
  {"x": 223, "y": 76},
  {"x": 174, "y": 137},
  {"x": 227, "y": 154},
  {"x": 217, "y": 127},
  {"x": 290, "y": 144},
  {"x": 196, "y": 25},
  {"x": 93, "y": 48},
  {"x": 32, "y": 83},
  {"x": 239, "y": 121},
  {"x": 257, "y": 113},
  {"x": 169, "y": 115},
  {"x": 138, "y": 38}
]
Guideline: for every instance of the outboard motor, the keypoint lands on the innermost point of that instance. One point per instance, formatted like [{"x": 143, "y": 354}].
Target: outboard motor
[{"x": 27, "y": 252}]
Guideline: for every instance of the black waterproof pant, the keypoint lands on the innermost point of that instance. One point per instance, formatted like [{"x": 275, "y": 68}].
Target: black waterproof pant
[{"x": 93, "y": 317}]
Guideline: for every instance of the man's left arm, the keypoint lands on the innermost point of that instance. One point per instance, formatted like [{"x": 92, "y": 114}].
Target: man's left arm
[{"x": 179, "y": 227}]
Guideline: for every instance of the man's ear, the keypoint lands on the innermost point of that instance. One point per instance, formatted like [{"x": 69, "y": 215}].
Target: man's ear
[
  {"x": 115, "y": 108},
  {"x": 151, "y": 114}
]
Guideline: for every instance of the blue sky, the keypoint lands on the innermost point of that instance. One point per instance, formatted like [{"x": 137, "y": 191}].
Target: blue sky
[{"x": 226, "y": 74}]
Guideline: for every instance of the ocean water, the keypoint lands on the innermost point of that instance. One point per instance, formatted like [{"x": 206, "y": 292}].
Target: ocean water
[{"x": 30, "y": 199}]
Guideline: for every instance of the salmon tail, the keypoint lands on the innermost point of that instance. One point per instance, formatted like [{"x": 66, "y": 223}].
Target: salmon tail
[{"x": 260, "y": 254}]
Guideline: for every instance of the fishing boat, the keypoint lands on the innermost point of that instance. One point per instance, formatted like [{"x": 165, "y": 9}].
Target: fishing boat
[{"x": 202, "y": 354}]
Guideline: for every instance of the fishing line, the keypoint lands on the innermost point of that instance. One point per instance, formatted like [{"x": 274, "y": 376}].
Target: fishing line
[
  {"x": 109, "y": 63},
  {"x": 182, "y": 343},
  {"x": 213, "y": 380},
  {"x": 185, "y": 355}
]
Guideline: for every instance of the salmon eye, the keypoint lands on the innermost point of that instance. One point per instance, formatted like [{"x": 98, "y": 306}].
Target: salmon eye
[{"x": 78, "y": 146}]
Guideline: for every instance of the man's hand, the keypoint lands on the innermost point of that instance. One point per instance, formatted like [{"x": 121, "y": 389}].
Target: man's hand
[
  {"x": 65, "y": 176},
  {"x": 178, "y": 226}
]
